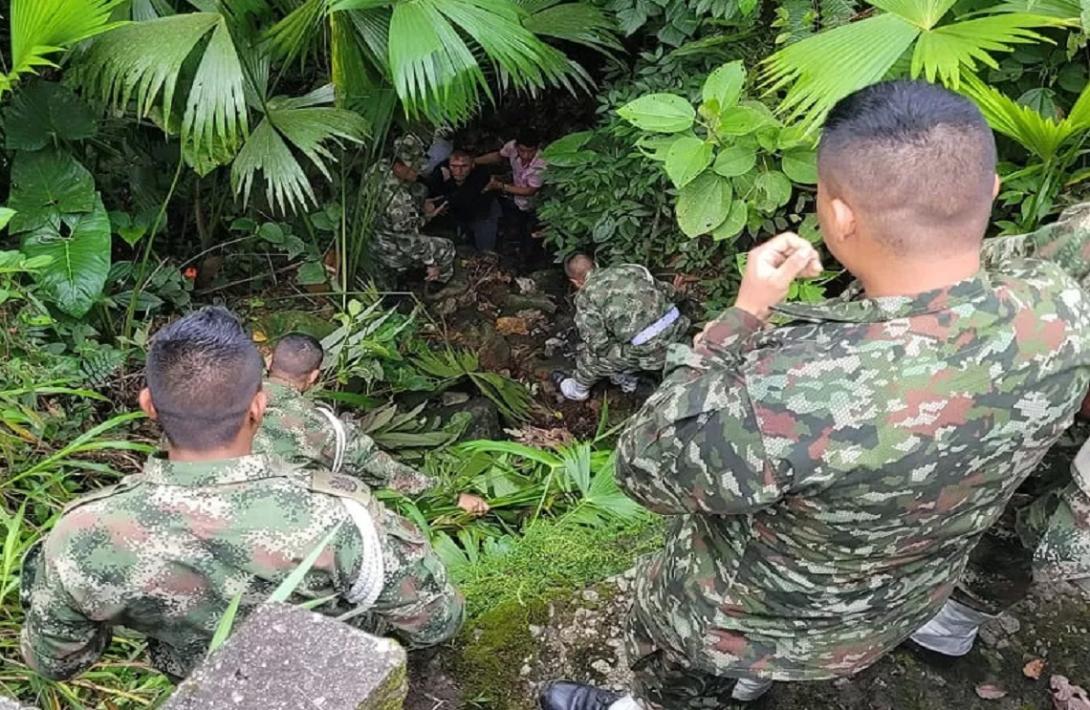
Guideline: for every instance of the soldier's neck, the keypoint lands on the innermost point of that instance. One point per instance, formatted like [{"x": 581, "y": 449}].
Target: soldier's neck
[
  {"x": 910, "y": 277},
  {"x": 286, "y": 381},
  {"x": 238, "y": 448}
]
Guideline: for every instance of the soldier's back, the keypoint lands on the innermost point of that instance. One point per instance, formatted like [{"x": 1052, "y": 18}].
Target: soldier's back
[
  {"x": 167, "y": 551},
  {"x": 894, "y": 430},
  {"x": 626, "y": 297}
]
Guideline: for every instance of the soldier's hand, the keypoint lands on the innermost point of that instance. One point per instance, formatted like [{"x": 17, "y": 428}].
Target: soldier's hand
[
  {"x": 472, "y": 504},
  {"x": 432, "y": 273},
  {"x": 771, "y": 268}
]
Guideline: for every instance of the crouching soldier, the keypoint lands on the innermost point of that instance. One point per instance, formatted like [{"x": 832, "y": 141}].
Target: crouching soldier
[
  {"x": 403, "y": 212},
  {"x": 165, "y": 551},
  {"x": 626, "y": 320},
  {"x": 298, "y": 429}
]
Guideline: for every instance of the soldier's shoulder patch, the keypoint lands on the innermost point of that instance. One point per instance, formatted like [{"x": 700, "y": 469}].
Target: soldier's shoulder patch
[{"x": 334, "y": 484}]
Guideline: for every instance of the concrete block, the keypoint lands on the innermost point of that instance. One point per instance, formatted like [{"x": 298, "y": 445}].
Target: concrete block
[{"x": 287, "y": 658}]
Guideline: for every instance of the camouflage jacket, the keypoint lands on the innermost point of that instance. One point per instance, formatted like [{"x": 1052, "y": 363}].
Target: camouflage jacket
[
  {"x": 617, "y": 302},
  {"x": 829, "y": 477},
  {"x": 166, "y": 551},
  {"x": 400, "y": 204},
  {"x": 297, "y": 431}
]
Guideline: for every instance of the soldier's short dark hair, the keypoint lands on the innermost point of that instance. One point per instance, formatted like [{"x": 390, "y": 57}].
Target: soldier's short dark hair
[
  {"x": 203, "y": 372},
  {"x": 917, "y": 159},
  {"x": 297, "y": 355},
  {"x": 578, "y": 265}
]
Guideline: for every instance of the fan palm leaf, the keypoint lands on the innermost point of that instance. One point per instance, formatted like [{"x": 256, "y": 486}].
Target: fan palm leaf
[
  {"x": 866, "y": 51},
  {"x": 302, "y": 123},
  {"x": 40, "y": 28},
  {"x": 142, "y": 61},
  {"x": 1040, "y": 135},
  {"x": 577, "y": 22}
]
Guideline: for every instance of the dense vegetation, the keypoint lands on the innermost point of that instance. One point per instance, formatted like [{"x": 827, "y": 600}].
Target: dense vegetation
[{"x": 159, "y": 154}]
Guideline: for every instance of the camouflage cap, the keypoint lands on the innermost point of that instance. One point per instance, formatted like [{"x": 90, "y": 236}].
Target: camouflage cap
[{"x": 410, "y": 150}]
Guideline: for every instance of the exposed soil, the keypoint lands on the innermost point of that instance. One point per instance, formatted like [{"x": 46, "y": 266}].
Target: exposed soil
[{"x": 580, "y": 637}]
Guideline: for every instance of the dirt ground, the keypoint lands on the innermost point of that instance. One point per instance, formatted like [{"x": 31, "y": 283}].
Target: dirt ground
[{"x": 580, "y": 638}]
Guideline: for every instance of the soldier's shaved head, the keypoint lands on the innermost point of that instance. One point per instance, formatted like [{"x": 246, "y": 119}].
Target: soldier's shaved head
[
  {"x": 915, "y": 162},
  {"x": 577, "y": 266},
  {"x": 297, "y": 356},
  {"x": 203, "y": 372}
]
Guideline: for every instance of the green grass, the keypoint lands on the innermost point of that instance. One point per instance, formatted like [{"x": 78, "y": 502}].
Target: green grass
[{"x": 507, "y": 593}]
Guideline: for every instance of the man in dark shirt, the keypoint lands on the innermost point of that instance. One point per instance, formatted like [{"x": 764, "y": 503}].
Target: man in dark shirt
[{"x": 469, "y": 209}]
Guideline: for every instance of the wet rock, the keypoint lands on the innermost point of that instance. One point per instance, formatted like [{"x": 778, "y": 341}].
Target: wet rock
[
  {"x": 484, "y": 418},
  {"x": 285, "y": 657},
  {"x": 514, "y": 303}
]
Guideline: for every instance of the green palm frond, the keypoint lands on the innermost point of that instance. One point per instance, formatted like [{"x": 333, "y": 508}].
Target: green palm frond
[
  {"x": 577, "y": 22},
  {"x": 945, "y": 51},
  {"x": 308, "y": 126},
  {"x": 40, "y": 28},
  {"x": 1060, "y": 9},
  {"x": 142, "y": 61},
  {"x": 1041, "y": 136},
  {"x": 866, "y": 51}
]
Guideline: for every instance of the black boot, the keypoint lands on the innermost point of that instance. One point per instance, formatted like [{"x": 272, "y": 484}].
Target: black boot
[{"x": 566, "y": 695}]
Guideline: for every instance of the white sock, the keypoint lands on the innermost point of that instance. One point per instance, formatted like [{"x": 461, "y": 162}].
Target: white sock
[
  {"x": 626, "y": 703},
  {"x": 952, "y": 631},
  {"x": 747, "y": 689}
]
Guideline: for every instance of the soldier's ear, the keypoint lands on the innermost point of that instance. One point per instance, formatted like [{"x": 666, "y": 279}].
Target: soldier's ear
[
  {"x": 257, "y": 406},
  {"x": 998, "y": 184},
  {"x": 844, "y": 224},
  {"x": 313, "y": 377},
  {"x": 147, "y": 405}
]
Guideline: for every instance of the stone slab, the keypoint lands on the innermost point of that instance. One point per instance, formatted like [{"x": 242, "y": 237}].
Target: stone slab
[{"x": 287, "y": 658}]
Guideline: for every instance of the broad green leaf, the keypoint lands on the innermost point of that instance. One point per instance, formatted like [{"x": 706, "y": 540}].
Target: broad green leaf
[
  {"x": 703, "y": 204},
  {"x": 687, "y": 158},
  {"x": 801, "y": 166},
  {"x": 571, "y": 143},
  {"x": 80, "y": 249},
  {"x": 742, "y": 120},
  {"x": 662, "y": 113},
  {"x": 724, "y": 85},
  {"x": 43, "y": 112},
  {"x": 6, "y": 213},
  {"x": 312, "y": 273},
  {"x": 46, "y": 184},
  {"x": 735, "y": 222},
  {"x": 735, "y": 160},
  {"x": 658, "y": 147},
  {"x": 775, "y": 187}
]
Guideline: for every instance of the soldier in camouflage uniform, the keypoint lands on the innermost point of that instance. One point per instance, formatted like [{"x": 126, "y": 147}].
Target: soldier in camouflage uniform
[
  {"x": 827, "y": 479},
  {"x": 167, "y": 550},
  {"x": 403, "y": 211},
  {"x": 626, "y": 321},
  {"x": 1046, "y": 528},
  {"x": 299, "y": 430}
]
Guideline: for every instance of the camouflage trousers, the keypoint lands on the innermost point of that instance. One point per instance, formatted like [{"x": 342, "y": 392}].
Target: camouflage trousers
[
  {"x": 401, "y": 251},
  {"x": 663, "y": 680},
  {"x": 623, "y": 359},
  {"x": 1000, "y": 569}
]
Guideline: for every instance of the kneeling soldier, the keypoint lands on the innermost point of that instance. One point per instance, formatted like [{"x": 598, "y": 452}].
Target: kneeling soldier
[
  {"x": 626, "y": 320},
  {"x": 166, "y": 551}
]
